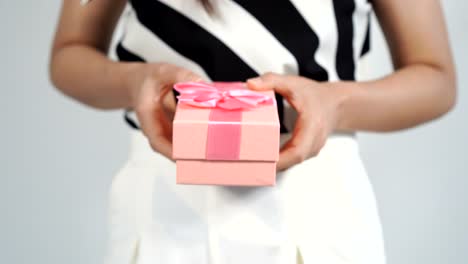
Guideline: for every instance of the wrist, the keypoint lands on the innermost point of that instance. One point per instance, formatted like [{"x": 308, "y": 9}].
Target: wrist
[
  {"x": 132, "y": 76},
  {"x": 344, "y": 93}
]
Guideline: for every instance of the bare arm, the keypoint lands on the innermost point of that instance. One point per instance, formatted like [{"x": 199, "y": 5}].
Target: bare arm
[
  {"x": 80, "y": 68},
  {"x": 423, "y": 86}
]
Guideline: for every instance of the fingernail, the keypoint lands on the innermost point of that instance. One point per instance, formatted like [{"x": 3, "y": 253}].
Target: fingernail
[{"x": 255, "y": 81}]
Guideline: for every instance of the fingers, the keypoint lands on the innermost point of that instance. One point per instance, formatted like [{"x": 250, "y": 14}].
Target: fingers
[
  {"x": 159, "y": 116},
  {"x": 187, "y": 76},
  {"x": 156, "y": 105},
  {"x": 287, "y": 86},
  {"x": 309, "y": 132},
  {"x": 152, "y": 120},
  {"x": 155, "y": 132},
  {"x": 176, "y": 75},
  {"x": 169, "y": 75},
  {"x": 296, "y": 150},
  {"x": 165, "y": 76},
  {"x": 308, "y": 138},
  {"x": 270, "y": 81},
  {"x": 288, "y": 158},
  {"x": 173, "y": 74}
]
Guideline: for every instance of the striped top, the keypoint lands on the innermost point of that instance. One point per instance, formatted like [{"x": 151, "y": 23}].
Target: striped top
[{"x": 318, "y": 39}]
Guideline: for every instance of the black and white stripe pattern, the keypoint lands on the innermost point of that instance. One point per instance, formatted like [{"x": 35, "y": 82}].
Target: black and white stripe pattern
[{"x": 318, "y": 39}]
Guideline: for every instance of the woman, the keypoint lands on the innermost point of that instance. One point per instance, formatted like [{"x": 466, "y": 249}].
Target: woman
[{"x": 323, "y": 208}]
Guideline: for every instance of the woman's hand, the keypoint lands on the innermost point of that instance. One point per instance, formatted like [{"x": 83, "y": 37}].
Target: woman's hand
[
  {"x": 317, "y": 105},
  {"x": 154, "y": 103}
]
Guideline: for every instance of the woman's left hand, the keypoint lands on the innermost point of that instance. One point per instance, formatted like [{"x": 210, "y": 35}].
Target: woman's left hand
[{"x": 317, "y": 105}]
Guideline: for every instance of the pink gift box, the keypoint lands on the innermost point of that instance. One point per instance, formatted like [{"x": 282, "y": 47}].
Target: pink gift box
[{"x": 216, "y": 146}]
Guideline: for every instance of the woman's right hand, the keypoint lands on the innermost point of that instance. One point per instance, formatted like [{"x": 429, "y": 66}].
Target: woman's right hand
[{"x": 154, "y": 104}]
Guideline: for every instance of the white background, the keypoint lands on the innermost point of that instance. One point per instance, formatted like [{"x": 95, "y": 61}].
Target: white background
[{"x": 57, "y": 158}]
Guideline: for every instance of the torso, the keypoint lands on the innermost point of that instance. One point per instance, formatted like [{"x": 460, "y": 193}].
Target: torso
[{"x": 323, "y": 208}]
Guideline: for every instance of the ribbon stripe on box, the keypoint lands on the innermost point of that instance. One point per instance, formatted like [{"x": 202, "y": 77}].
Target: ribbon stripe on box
[
  {"x": 226, "y": 102},
  {"x": 224, "y": 135}
]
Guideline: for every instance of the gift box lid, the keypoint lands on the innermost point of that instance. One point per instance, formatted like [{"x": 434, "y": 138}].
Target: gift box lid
[{"x": 251, "y": 134}]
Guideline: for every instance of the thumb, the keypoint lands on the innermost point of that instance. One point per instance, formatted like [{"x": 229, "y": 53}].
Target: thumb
[
  {"x": 187, "y": 76},
  {"x": 260, "y": 83},
  {"x": 270, "y": 81}
]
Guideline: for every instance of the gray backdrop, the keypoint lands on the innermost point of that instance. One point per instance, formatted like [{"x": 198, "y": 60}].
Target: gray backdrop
[{"x": 54, "y": 179}]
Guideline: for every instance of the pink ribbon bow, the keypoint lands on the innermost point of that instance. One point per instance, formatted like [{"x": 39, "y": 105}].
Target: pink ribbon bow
[{"x": 227, "y": 96}]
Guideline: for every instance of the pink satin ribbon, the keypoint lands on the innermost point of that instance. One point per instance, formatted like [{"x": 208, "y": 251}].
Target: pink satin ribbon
[
  {"x": 228, "y": 96},
  {"x": 227, "y": 102}
]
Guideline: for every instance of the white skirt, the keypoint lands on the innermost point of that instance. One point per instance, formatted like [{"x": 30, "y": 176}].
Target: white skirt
[{"x": 321, "y": 211}]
